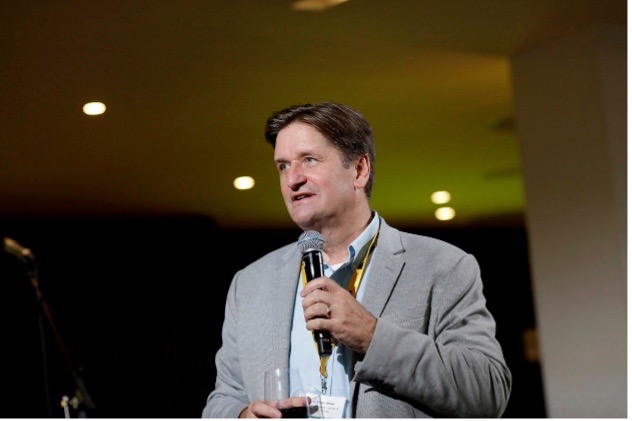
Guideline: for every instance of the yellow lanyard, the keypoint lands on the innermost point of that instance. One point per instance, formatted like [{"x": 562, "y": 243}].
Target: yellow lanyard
[
  {"x": 352, "y": 286},
  {"x": 356, "y": 278}
]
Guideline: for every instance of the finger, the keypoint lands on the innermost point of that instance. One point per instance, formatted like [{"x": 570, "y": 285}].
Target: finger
[
  {"x": 315, "y": 298},
  {"x": 316, "y": 310},
  {"x": 320, "y": 323},
  {"x": 260, "y": 409},
  {"x": 322, "y": 284}
]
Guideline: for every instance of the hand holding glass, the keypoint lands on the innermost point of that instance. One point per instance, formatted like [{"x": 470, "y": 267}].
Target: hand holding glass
[{"x": 277, "y": 394}]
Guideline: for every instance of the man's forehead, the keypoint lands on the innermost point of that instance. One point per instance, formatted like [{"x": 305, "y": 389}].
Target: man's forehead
[
  {"x": 301, "y": 144},
  {"x": 299, "y": 150}
]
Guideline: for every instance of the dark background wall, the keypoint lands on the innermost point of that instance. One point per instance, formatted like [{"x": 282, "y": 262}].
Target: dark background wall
[{"x": 139, "y": 302}]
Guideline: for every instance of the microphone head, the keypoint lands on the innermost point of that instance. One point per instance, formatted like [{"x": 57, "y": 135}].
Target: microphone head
[
  {"x": 311, "y": 240},
  {"x": 12, "y": 246}
]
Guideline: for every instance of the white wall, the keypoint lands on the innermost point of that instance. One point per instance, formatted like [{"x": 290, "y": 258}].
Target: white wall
[{"x": 571, "y": 109}]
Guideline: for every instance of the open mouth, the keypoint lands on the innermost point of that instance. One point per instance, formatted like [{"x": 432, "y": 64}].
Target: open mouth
[{"x": 300, "y": 197}]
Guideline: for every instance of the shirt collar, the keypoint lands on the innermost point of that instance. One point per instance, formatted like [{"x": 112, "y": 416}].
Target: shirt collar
[{"x": 359, "y": 246}]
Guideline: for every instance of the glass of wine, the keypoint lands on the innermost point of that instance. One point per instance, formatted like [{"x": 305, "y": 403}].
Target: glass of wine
[{"x": 298, "y": 404}]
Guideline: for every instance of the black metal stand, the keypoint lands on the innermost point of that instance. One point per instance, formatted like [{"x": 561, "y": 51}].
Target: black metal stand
[{"x": 81, "y": 401}]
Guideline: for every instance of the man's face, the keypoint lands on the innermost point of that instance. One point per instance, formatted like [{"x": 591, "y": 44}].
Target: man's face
[{"x": 316, "y": 188}]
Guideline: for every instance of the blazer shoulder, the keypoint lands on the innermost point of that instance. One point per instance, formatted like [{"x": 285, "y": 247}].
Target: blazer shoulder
[
  {"x": 425, "y": 243},
  {"x": 272, "y": 259},
  {"x": 403, "y": 242}
]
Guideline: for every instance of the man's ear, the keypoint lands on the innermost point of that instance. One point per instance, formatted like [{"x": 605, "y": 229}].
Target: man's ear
[{"x": 363, "y": 169}]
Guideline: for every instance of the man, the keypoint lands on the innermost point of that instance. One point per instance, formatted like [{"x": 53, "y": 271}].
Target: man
[{"x": 412, "y": 335}]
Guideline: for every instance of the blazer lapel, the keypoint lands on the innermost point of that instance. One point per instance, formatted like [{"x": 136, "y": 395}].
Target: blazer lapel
[
  {"x": 267, "y": 344},
  {"x": 385, "y": 267},
  {"x": 283, "y": 297}
]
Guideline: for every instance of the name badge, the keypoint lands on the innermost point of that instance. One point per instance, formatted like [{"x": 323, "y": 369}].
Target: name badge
[{"x": 333, "y": 406}]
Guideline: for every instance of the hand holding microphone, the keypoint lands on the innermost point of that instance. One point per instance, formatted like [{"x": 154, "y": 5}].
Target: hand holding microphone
[
  {"x": 357, "y": 338},
  {"x": 311, "y": 244}
]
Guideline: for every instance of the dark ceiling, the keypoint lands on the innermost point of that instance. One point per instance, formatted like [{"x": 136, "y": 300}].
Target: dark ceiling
[{"x": 189, "y": 84}]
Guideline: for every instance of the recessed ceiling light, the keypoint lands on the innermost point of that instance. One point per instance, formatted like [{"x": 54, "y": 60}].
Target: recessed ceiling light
[
  {"x": 440, "y": 197},
  {"x": 315, "y": 5},
  {"x": 244, "y": 183},
  {"x": 445, "y": 213},
  {"x": 94, "y": 108}
]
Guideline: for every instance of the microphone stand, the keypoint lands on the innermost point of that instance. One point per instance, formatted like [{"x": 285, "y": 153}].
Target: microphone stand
[{"x": 82, "y": 400}]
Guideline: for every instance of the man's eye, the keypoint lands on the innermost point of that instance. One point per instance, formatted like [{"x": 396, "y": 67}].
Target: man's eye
[
  {"x": 310, "y": 160},
  {"x": 282, "y": 167}
]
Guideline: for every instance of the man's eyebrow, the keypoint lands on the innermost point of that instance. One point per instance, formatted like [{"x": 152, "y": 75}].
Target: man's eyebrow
[{"x": 300, "y": 156}]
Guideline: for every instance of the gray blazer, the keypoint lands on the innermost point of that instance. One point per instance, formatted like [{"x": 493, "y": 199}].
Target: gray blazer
[{"x": 434, "y": 353}]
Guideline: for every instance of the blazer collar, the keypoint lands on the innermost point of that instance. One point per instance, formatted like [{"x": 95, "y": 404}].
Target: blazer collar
[{"x": 385, "y": 267}]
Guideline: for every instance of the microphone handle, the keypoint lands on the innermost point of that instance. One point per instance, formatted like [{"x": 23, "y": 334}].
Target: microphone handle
[{"x": 314, "y": 268}]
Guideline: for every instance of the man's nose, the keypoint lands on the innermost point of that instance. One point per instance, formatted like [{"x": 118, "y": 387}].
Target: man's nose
[{"x": 295, "y": 176}]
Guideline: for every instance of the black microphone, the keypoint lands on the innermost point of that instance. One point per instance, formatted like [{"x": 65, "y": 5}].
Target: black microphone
[
  {"x": 311, "y": 244},
  {"x": 11, "y": 246}
]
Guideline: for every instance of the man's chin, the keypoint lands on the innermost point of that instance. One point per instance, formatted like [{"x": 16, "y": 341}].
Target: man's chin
[{"x": 302, "y": 219}]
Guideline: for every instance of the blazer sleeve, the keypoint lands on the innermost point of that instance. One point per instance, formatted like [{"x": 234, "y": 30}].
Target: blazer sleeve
[{"x": 444, "y": 359}]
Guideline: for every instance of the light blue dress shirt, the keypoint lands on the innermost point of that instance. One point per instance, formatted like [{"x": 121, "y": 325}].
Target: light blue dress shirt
[{"x": 303, "y": 352}]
